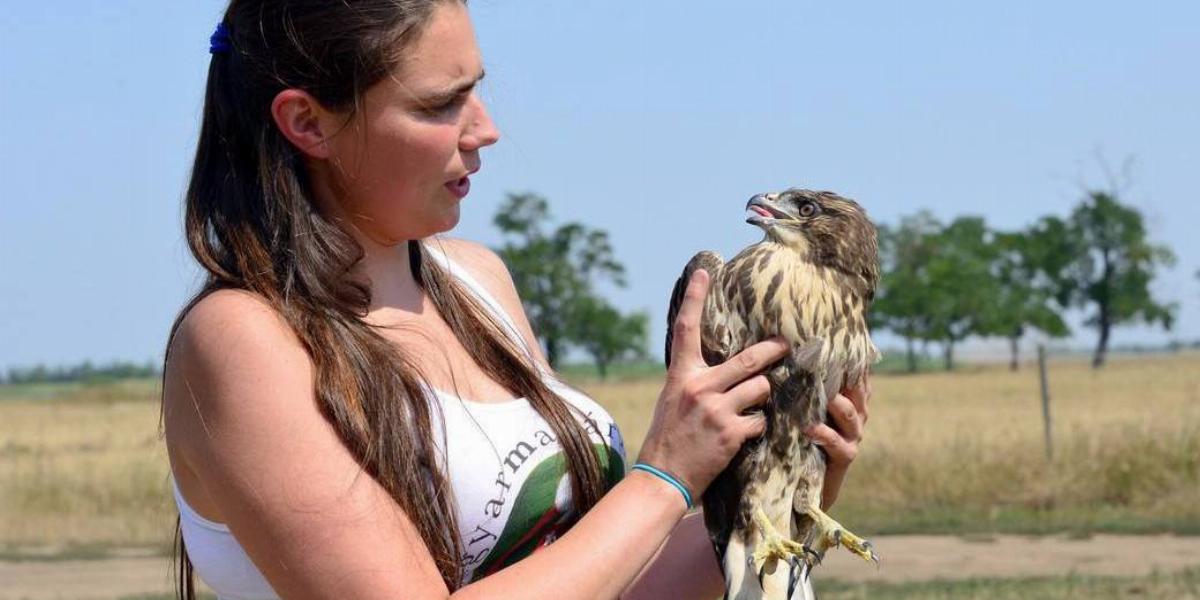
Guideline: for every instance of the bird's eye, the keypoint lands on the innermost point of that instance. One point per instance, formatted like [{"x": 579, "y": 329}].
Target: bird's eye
[{"x": 809, "y": 208}]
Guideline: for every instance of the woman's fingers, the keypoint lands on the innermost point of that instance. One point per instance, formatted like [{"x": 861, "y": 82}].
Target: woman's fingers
[
  {"x": 848, "y": 411},
  {"x": 841, "y": 451},
  {"x": 749, "y": 393},
  {"x": 860, "y": 396},
  {"x": 754, "y": 424},
  {"x": 685, "y": 331},
  {"x": 846, "y": 417},
  {"x": 749, "y": 362}
]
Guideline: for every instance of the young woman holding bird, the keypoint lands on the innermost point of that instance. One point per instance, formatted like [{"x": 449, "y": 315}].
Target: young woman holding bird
[{"x": 355, "y": 406}]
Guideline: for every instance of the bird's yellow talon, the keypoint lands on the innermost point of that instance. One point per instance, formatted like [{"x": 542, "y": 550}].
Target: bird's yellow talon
[
  {"x": 830, "y": 533},
  {"x": 772, "y": 546}
]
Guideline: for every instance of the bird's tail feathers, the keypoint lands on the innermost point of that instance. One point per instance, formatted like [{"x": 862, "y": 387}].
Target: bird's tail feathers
[
  {"x": 739, "y": 580},
  {"x": 803, "y": 589}
]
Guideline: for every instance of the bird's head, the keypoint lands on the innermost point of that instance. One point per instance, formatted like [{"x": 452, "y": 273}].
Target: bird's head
[{"x": 823, "y": 227}]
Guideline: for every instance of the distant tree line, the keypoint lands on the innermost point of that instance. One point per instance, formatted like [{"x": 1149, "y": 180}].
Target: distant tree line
[
  {"x": 946, "y": 282},
  {"x": 942, "y": 283},
  {"x": 83, "y": 372}
]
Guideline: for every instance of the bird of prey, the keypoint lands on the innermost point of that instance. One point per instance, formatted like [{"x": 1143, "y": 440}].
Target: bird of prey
[{"x": 811, "y": 280}]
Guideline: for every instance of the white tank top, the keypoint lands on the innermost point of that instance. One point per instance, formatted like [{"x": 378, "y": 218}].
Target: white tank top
[{"x": 505, "y": 467}]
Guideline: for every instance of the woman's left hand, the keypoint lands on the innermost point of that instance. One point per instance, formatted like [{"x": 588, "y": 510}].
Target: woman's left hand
[{"x": 848, "y": 413}]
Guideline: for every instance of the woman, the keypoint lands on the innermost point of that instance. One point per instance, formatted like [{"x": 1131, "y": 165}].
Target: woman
[{"x": 351, "y": 403}]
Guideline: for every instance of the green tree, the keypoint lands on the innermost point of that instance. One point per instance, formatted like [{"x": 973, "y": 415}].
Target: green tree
[
  {"x": 1052, "y": 248},
  {"x": 902, "y": 300},
  {"x": 1114, "y": 267},
  {"x": 962, "y": 290},
  {"x": 606, "y": 334},
  {"x": 1025, "y": 294},
  {"x": 554, "y": 270}
]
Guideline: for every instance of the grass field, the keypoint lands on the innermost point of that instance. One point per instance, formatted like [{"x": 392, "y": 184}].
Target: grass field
[
  {"x": 1177, "y": 586},
  {"x": 82, "y": 467},
  {"x": 963, "y": 452}
]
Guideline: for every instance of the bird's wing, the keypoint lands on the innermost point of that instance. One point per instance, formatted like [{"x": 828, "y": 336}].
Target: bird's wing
[
  {"x": 724, "y": 331},
  {"x": 712, "y": 263}
]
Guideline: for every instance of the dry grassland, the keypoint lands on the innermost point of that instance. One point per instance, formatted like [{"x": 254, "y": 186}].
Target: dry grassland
[
  {"x": 963, "y": 452},
  {"x": 83, "y": 466},
  {"x": 1184, "y": 585},
  {"x": 955, "y": 453}
]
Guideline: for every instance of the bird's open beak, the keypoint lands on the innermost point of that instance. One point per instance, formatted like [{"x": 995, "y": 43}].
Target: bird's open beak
[{"x": 763, "y": 210}]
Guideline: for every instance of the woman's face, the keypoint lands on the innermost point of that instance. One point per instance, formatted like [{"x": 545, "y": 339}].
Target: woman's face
[{"x": 400, "y": 167}]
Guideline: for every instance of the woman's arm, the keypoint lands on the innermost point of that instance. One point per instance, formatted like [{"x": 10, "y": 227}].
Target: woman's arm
[
  {"x": 600, "y": 554},
  {"x": 241, "y": 413},
  {"x": 684, "y": 567}
]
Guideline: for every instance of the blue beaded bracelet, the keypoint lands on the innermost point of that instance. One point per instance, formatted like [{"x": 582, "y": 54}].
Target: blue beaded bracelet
[{"x": 687, "y": 496}]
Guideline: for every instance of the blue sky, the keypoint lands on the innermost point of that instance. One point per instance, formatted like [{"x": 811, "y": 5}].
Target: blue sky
[{"x": 652, "y": 120}]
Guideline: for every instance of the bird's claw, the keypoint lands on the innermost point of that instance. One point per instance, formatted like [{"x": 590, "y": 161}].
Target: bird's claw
[
  {"x": 831, "y": 534},
  {"x": 793, "y": 579},
  {"x": 772, "y": 546}
]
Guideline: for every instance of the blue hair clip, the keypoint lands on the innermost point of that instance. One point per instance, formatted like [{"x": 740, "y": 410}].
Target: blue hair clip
[{"x": 219, "y": 41}]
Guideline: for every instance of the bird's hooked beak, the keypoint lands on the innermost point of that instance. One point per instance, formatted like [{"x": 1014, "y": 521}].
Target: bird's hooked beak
[{"x": 765, "y": 211}]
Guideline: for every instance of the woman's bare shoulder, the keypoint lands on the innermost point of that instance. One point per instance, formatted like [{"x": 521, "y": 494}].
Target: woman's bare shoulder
[
  {"x": 231, "y": 345},
  {"x": 232, "y": 320},
  {"x": 247, "y": 423}
]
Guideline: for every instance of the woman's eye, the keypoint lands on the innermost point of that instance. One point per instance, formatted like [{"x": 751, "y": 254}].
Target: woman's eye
[
  {"x": 808, "y": 209},
  {"x": 444, "y": 108}
]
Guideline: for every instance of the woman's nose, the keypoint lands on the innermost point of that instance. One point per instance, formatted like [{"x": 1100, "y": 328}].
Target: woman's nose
[{"x": 481, "y": 131}]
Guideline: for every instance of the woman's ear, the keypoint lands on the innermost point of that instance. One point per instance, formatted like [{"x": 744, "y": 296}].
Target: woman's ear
[{"x": 303, "y": 121}]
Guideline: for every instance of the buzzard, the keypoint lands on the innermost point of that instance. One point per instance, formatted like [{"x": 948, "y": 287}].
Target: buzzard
[{"x": 810, "y": 280}]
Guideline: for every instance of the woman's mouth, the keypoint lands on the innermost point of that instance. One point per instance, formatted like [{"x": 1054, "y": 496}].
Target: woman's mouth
[{"x": 459, "y": 187}]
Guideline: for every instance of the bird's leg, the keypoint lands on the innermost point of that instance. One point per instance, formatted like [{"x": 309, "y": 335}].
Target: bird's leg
[
  {"x": 774, "y": 546},
  {"x": 828, "y": 533}
]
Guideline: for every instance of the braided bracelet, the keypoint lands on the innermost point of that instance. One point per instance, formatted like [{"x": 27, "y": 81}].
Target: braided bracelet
[{"x": 687, "y": 496}]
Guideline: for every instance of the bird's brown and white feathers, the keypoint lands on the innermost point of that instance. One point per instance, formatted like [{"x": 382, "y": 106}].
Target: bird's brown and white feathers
[{"x": 811, "y": 281}]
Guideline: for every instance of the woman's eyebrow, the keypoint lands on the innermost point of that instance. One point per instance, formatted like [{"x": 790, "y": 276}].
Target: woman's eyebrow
[{"x": 453, "y": 90}]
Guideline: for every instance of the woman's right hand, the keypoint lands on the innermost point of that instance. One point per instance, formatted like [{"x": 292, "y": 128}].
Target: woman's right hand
[{"x": 698, "y": 425}]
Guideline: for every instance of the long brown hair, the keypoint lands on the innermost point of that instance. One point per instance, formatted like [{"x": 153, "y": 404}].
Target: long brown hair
[{"x": 252, "y": 223}]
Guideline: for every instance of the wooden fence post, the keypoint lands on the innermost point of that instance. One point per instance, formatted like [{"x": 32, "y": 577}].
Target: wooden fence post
[{"x": 1045, "y": 400}]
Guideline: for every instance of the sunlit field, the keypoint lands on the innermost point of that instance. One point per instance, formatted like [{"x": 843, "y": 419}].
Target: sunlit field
[
  {"x": 82, "y": 467},
  {"x": 963, "y": 452},
  {"x": 1176, "y": 586}
]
